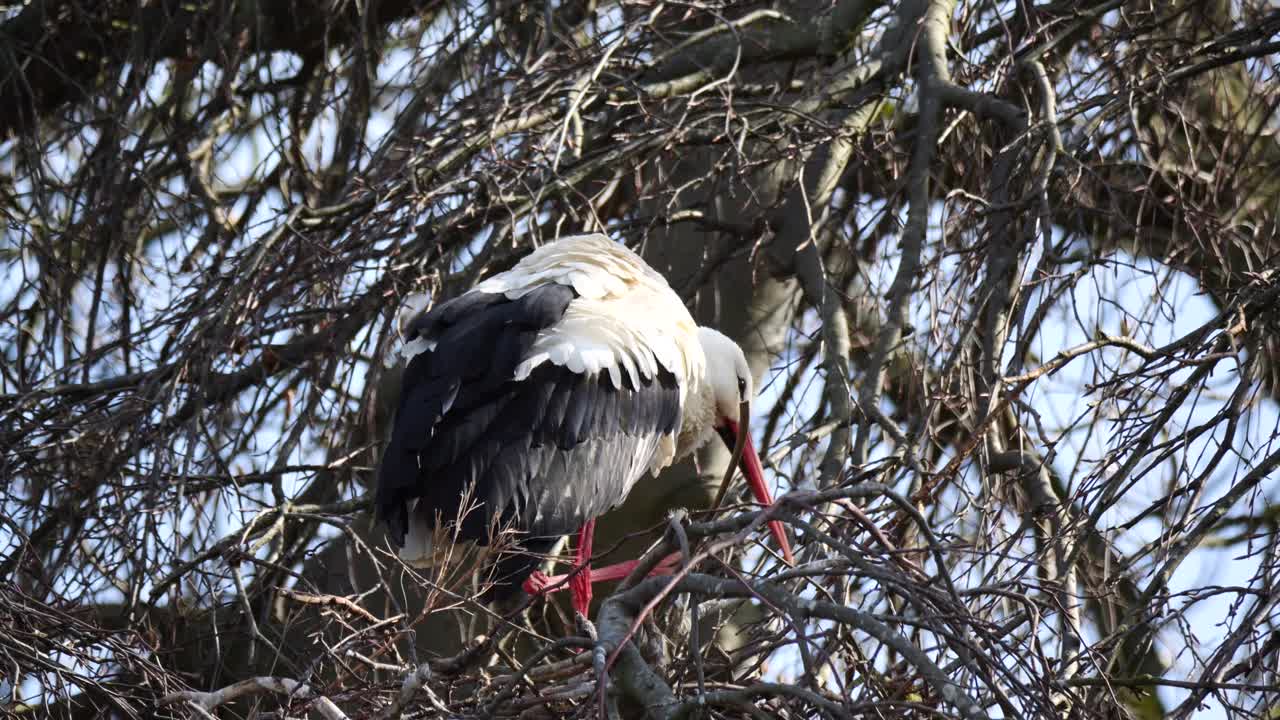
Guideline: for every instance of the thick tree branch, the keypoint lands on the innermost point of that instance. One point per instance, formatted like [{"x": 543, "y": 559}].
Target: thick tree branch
[
  {"x": 256, "y": 686},
  {"x": 56, "y": 52},
  {"x": 620, "y": 609}
]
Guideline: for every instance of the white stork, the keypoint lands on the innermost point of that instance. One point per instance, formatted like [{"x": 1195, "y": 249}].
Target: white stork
[{"x": 542, "y": 395}]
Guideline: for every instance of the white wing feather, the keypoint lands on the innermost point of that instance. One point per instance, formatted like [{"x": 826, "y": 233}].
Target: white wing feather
[{"x": 625, "y": 320}]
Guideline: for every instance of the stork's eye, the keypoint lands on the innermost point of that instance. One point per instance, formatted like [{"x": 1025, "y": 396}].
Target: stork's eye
[{"x": 742, "y": 387}]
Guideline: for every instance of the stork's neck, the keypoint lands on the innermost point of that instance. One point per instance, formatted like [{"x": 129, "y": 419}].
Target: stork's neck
[{"x": 697, "y": 425}]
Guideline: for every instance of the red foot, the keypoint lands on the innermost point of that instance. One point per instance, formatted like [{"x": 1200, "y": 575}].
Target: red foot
[
  {"x": 539, "y": 582},
  {"x": 580, "y": 581}
]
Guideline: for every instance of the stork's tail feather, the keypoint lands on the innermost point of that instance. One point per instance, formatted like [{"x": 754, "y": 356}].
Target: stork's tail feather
[{"x": 417, "y": 548}]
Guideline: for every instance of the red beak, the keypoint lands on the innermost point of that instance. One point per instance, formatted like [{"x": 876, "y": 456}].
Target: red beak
[{"x": 754, "y": 471}]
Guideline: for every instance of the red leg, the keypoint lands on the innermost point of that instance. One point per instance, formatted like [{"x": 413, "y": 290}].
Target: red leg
[{"x": 580, "y": 583}]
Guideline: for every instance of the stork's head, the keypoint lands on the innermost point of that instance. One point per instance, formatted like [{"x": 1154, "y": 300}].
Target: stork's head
[
  {"x": 729, "y": 378},
  {"x": 727, "y": 373}
]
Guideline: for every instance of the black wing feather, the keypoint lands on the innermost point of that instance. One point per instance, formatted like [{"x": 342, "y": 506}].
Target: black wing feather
[{"x": 542, "y": 455}]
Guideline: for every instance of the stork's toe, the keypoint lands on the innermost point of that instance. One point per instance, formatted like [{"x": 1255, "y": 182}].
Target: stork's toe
[{"x": 536, "y": 583}]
